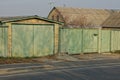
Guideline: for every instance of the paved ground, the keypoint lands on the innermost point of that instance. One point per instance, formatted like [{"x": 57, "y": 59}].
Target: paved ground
[
  {"x": 108, "y": 69},
  {"x": 92, "y": 56},
  {"x": 87, "y": 73},
  {"x": 98, "y": 56},
  {"x": 65, "y": 67}
]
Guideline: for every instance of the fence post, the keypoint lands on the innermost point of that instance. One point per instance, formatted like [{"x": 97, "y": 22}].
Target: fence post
[
  {"x": 82, "y": 43},
  {"x": 9, "y": 39},
  {"x": 110, "y": 40},
  {"x": 99, "y": 40},
  {"x": 56, "y": 38}
]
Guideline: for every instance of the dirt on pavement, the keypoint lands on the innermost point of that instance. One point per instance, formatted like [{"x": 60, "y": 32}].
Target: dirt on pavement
[{"x": 59, "y": 58}]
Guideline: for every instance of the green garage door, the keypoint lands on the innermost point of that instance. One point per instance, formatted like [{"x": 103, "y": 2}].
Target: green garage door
[
  {"x": 32, "y": 40},
  {"x": 43, "y": 40},
  {"x": 3, "y": 41}
]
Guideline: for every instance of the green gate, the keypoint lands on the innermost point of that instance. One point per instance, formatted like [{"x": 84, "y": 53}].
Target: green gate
[
  {"x": 105, "y": 40},
  {"x": 3, "y": 41},
  {"x": 30, "y": 40},
  {"x": 76, "y": 41},
  {"x": 70, "y": 40},
  {"x": 90, "y": 40}
]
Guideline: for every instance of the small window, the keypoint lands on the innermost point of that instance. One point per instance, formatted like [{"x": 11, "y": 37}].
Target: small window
[
  {"x": 52, "y": 17},
  {"x": 57, "y": 18}
]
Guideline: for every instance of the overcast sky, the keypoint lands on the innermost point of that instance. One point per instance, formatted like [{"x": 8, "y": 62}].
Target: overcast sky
[{"x": 42, "y": 7}]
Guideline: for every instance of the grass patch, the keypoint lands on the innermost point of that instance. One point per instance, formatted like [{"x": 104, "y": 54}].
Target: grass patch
[{"x": 12, "y": 60}]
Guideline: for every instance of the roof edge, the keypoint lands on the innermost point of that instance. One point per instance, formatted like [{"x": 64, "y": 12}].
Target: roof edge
[
  {"x": 51, "y": 11},
  {"x": 31, "y": 17}
]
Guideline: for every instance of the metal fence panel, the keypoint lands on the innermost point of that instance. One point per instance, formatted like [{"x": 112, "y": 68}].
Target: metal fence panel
[
  {"x": 63, "y": 41},
  {"x": 70, "y": 40},
  {"x": 90, "y": 40},
  {"x": 3, "y": 41},
  {"x": 105, "y": 40}
]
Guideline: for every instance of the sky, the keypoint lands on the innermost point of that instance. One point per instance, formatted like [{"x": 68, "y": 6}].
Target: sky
[{"x": 43, "y": 7}]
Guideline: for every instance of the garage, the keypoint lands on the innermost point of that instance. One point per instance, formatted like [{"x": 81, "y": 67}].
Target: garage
[{"x": 29, "y": 36}]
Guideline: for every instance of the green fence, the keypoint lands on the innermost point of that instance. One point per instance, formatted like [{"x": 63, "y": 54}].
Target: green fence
[
  {"x": 74, "y": 41},
  {"x": 34, "y": 40},
  {"x": 3, "y": 41}
]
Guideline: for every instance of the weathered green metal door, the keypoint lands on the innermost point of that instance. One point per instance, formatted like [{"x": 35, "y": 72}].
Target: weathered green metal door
[
  {"x": 3, "y": 41},
  {"x": 43, "y": 40},
  {"x": 70, "y": 40},
  {"x": 22, "y": 40},
  {"x": 105, "y": 40},
  {"x": 115, "y": 40},
  {"x": 32, "y": 40},
  {"x": 90, "y": 40}
]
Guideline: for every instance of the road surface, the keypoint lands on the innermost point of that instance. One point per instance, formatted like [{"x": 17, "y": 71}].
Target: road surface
[{"x": 88, "y": 70}]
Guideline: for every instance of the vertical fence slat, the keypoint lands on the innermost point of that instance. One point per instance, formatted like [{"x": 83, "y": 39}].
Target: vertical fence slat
[{"x": 99, "y": 40}]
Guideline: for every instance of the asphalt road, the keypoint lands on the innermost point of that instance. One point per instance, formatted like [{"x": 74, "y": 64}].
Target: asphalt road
[{"x": 91, "y": 70}]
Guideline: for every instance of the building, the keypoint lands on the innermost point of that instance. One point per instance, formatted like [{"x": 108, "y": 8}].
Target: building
[
  {"x": 28, "y": 36},
  {"x": 113, "y": 21},
  {"x": 80, "y": 17},
  {"x": 105, "y": 38}
]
